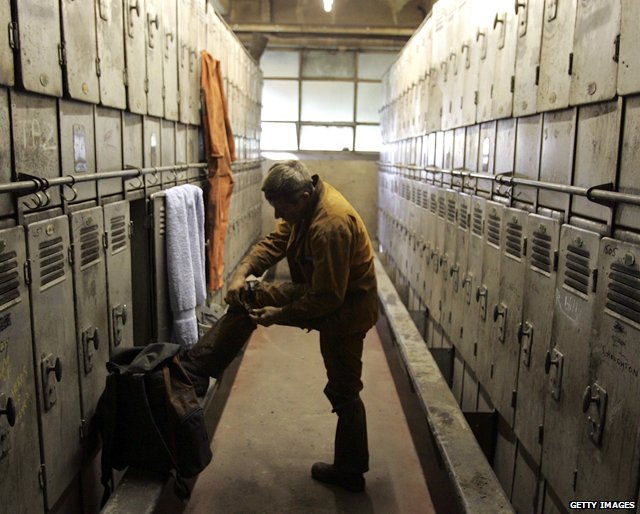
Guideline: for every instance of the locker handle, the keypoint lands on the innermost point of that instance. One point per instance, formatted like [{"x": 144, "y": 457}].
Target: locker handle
[
  {"x": 56, "y": 368},
  {"x": 9, "y": 410},
  {"x": 135, "y": 7},
  {"x": 480, "y": 294},
  {"x": 548, "y": 362},
  {"x": 588, "y": 398},
  {"x": 95, "y": 338},
  {"x": 518, "y": 5},
  {"x": 454, "y": 270}
]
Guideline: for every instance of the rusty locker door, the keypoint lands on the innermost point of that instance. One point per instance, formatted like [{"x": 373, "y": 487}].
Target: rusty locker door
[
  {"x": 108, "y": 131},
  {"x": 111, "y": 70},
  {"x": 185, "y": 25},
  {"x": 629, "y": 59},
  {"x": 7, "y": 72},
  {"x": 155, "y": 48},
  {"x": 6, "y": 202},
  {"x": 89, "y": 278},
  {"x": 449, "y": 262},
  {"x": 55, "y": 353},
  {"x": 118, "y": 259},
  {"x": 170, "y": 44},
  {"x": 567, "y": 360},
  {"x": 534, "y": 333},
  {"x": 162, "y": 319},
  {"x": 609, "y": 450},
  {"x": 19, "y": 449},
  {"x": 505, "y": 34},
  {"x": 151, "y": 133},
  {"x": 135, "y": 55},
  {"x": 458, "y": 273},
  {"x": 132, "y": 151}
]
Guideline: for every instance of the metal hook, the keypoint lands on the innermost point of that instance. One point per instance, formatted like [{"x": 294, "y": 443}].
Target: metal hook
[
  {"x": 73, "y": 190},
  {"x": 155, "y": 176},
  {"x": 140, "y": 183}
]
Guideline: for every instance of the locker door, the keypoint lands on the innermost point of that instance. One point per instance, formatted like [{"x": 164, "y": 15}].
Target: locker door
[
  {"x": 608, "y": 452},
  {"x": 168, "y": 152},
  {"x": 534, "y": 333},
  {"x": 198, "y": 40},
  {"x": 555, "y": 54},
  {"x": 110, "y": 30},
  {"x": 184, "y": 48},
  {"x": 527, "y": 158},
  {"x": 449, "y": 262},
  {"x": 195, "y": 153},
  {"x": 595, "y": 44},
  {"x": 486, "y": 39},
  {"x": 108, "y": 149},
  {"x": 629, "y": 61},
  {"x": 430, "y": 247},
  {"x": 506, "y": 314},
  {"x": 437, "y": 255},
  {"x": 505, "y": 35},
  {"x": 6, "y": 202},
  {"x": 458, "y": 274},
  {"x": 135, "y": 55},
  {"x": 79, "y": 35},
  {"x": 181, "y": 150},
  {"x": 170, "y": 46},
  {"x": 423, "y": 242},
  {"x": 154, "y": 51},
  {"x": 118, "y": 259},
  {"x": 39, "y": 57},
  {"x": 19, "y": 450},
  {"x": 132, "y": 147},
  {"x": 628, "y": 215},
  {"x": 151, "y": 148},
  {"x": 89, "y": 278},
  {"x": 568, "y": 357},
  {"x": 162, "y": 319},
  {"x": 6, "y": 51},
  {"x": 528, "y": 56},
  {"x": 55, "y": 352}
]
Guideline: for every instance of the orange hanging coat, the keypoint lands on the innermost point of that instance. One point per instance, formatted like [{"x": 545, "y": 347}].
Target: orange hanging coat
[{"x": 221, "y": 152}]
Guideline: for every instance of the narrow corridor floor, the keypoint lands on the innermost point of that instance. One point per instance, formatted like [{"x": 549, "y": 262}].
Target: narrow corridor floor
[{"x": 277, "y": 423}]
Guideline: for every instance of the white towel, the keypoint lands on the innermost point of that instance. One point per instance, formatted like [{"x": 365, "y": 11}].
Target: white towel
[{"x": 185, "y": 259}]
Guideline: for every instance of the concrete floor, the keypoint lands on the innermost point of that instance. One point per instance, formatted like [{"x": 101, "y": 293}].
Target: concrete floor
[{"x": 277, "y": 422}]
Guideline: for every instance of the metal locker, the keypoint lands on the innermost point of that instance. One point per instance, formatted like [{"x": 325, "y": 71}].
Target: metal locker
[
  {"x": 168, "y": 151},
  {"x": 80, "y": 53},
  {"x": 181, "y": 150},
  {"x": 77, "y": 147},
  {"x": 108, "y": 149},
  {"x": 504, "y": 459},
  {"x": 151, "y": 149},
  {"x": 486, "y": 155},
  {"x": 437, "y": 253},
  {"x": 195, "y": 153},
  {"x": 449, "y": 271},
  {"x": 430, "y": 245},
  {"x": 525, "y": 90},
  {"x": 35, "y": 143},
  {"x": 424, "y": 244},
  {"x": 608, "y": 451},
  {"x": 458, "y": 278},
  {"x": 485, "y": 37},
  {"x": 439, "y": 163},
  {"x": 470, "y": 391},
  {"x": 524, "y": 495},
  {"x": 198, "y": 41},
  {"x": 596, "y": 44},
  {"x": 55, "y": 353},
  {"x": 92, "y": 327},
  {"x": 155, "y": 51},
  {"x": 469, "y": 286},
  {"x": 504, "y": 37},
  {"x": 6, "y": 202},
  {"x": 7, "y": 77},
  {"x": 184, "y": 58},
  {"x": 162, "y": 319},
  {"x": 471, "y": 146},
  {"x": 172, "y": 91},
  {"x": 527, "y": 159},
  {"x": 505, "y": 146},
  {"x": 118, "y": 259},
  {"x": 39, "y": 58},
  {"x": 457, "y": 162},
  {"x": 596, "y": 155},
  {"x": 132, "y": 148},
  {"x": 554, "y": 80},
  {"x": 19, "y": 449},
  {"x": 556, "y": 160},
  {"x": 534, "y": 332},
  {"x": 111, "y": 71},
  {"x": 505, "y": 313},
  {"x": 458, "y": 377},
  {"x": 628, "y": 215},
  {"x": 135, "y": 55},
  {"x": 551, "y": 504},
  {"x": 568, "y": 357},
  {"x": 629, "y": 59},
  {"x": 447, "y": 149}
]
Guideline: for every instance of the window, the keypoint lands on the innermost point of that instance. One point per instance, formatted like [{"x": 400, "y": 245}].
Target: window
[{"x": 322, "y": 100}]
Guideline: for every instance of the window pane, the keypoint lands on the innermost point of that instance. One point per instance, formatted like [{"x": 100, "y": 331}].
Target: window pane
[
  {"x": 325, "y": 64},
  {"x": 275, "y": 63},
  {"x": 369, "y": 101},
  {"x": 326, "y": 138},
  {"x": 280, "y": 100},
  {"x": 368, "y": 138},
  {"x": 327, "y": 101},
  {"x": 278, "y": 136},
  {"x": 372, "y": 66}
]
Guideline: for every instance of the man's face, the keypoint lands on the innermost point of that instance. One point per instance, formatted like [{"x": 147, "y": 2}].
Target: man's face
[{"x": 289, "y": 210}]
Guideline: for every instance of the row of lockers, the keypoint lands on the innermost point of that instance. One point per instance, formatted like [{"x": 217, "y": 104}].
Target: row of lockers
[
  {"x": 545, "y": 315},
  {"x": 473, "y": 61}
]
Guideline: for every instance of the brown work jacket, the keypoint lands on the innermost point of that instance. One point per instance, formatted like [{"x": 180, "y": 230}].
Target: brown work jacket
[{"x": 330, "y": 252}]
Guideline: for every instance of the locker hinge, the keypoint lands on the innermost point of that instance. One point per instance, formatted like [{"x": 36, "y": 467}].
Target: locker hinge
[
  {"x": 594, "y": 275},
  {"x": 146, "y": 85},
  {"x": 540, "y": 434},
  {"x": 70, "y": 254},
  {"x": 513, "y": 83},
  {"x": 41, "y": 474},
  {"x": 475, "y": 98},
  {"x": 616, "y": 49},
  {"x": 130, "y": 229},
  {"x": 27, "y": 272},
  {"x": 570, "y": 70},
  {"x": 164, "y": 92},
  {"x": 125, "y": 77},
  {"x": 537, "y": 75},
  {"x": 524, "y": 246},
  {"x": 62, "y": 54},
  {"x": 83, "y": 430},
  {"x": 98, "y": 70},
  {"x": 555, "y": 260},
  {"x": 574, "y": 482},
  {"x": 475, "y": 349},
  {"x": 105, "y": 240},
  {"x": 514, "y": 398},
  {"x": 14, "y": 41}
]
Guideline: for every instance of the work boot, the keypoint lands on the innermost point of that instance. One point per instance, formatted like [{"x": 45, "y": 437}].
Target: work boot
[{"x": 328, "y": 474}]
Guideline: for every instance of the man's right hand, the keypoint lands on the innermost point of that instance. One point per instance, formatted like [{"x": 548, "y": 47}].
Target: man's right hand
[{"x": 236, "y": 291}]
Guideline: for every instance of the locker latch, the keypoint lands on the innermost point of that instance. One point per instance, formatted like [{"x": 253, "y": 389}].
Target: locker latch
[
  {"x": 481, "y": 297},
  {"x": 152, "y": 21},
  {"x": 596, "y": 395},
  {"x": 90, "y": 338},
  {"x": 51, "y": 370},
  {"x": 554, "y": 358},
  {"x": 500, "y": 317},
  {"x": 119, "y": 315},
  {"x": 522, "y": 16},
  {"x": 8, "y": 409},
  {"x": 502, "y": 20},
  {"x": 552, "y": 10},
  {"x": 454, "y": 272},
  {"x": 525, "y": 337},
  {"x": 466, "y": 285}
]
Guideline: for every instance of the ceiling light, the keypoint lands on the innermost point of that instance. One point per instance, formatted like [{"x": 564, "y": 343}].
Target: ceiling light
[{"x": 328, "y": 5}]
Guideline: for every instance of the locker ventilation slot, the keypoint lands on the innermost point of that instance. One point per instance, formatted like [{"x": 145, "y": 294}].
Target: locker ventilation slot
[
  {"x": 51, "y": 261},
  {"x": 451, "y": 210},
  {"x": 623, "y": 292},
  {"x": 513, "y": 244},
  {"x": 477, "y": 221},
  {"x": 434, "y": 203},
  {"x": 541, "y": 252},
  {"x": 578, "y": 272},
  {"x": 118, "y": 234},
  {"x": 425, "y": 200},
  {"x": 161, "y": 221},
  {"x": 89, "y": 245},
  {"x": 464, "y": 216},
  {"x": 493, "y": 229},
  {"x": 441, "y": 207},
  {"x": 9, "y": 278}
]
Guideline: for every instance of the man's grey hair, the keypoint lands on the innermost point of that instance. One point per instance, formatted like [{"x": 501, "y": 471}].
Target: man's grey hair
[{"x": 287, "y": 180}]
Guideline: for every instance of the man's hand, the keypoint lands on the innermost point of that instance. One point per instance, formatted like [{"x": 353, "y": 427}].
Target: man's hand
[
  {"x": 236, "y": 290},
  {"x": 266, "y": 316}
]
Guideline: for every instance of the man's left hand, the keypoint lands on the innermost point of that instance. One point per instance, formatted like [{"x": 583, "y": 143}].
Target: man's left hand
[{"x": 265, "y": 316}]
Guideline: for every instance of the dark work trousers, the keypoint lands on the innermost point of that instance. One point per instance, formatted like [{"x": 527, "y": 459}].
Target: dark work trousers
[{"x": 342, "y": 354}]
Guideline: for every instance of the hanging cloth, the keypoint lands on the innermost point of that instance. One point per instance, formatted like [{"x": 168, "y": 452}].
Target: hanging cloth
[{"x": 221, "y": 152}]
